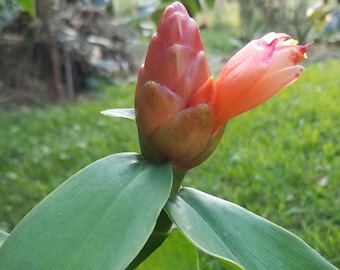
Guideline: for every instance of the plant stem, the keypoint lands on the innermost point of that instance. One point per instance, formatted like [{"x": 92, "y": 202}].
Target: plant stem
[{"x": 178, "y": 176}]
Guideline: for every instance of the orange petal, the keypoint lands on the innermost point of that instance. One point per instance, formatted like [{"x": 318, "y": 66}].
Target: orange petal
[
  {"x": 257, "y": 72},
  {"x": 272, "y": 83},
  {"x": 206, "y": 94},
  {"x": 240, "y": 73},
  {"x": 265, "y": 88}
]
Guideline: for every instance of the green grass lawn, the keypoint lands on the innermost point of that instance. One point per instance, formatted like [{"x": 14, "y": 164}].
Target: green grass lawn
[{"x": 280, "y": 160}]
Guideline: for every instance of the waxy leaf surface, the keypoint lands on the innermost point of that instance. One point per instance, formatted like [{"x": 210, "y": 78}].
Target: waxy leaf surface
[
  {"x": 230, "y": 232},
  {"x": 99, "y": 219}
]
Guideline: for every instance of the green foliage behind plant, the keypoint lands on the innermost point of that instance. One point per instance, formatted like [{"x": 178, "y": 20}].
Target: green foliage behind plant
[
  {"x": 280, "y": 160},
  {"x": 40, "y": 148}
]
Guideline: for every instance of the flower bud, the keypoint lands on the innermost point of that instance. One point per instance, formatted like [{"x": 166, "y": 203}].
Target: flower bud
[
  {"x": 174, "y": 92},
  {"x": 258, "y": 71}
]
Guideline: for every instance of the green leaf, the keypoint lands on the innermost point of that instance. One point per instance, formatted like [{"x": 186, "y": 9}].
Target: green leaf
[
  {"x": 3, "y": 236},
  {"x": 175, "y": 253},
  {"x": 28, "y": 5},
  {"x": 99, "y": 219},
  {"x": 228, "y": 231},
  {"x": 128, "y": 113}
]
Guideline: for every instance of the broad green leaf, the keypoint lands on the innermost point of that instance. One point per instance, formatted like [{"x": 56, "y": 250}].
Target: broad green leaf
[
  {"x": 226, "y": 230},
  {"x": 28, "y": 5},
  {"x": 99, "y": 219},
  {"x": 128, "y": 113},
  {"x": 175, "y": 253},
  {"x": 3, "y": 236}
]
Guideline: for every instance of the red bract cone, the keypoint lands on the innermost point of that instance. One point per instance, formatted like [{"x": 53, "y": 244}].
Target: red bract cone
[
  {"x": 181, "y": 112},
  {"x": 175, "y": 93}
]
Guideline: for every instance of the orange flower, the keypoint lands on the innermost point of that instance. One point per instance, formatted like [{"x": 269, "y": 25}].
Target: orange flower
[
  {"x": 258, "y": 71},
  {"x": 181, "y": 112}
]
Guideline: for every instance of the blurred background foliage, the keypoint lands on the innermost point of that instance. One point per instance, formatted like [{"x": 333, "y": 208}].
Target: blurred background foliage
[
  {"x": 55, "y": 49},
  {"x": 83, "y": 56}
]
